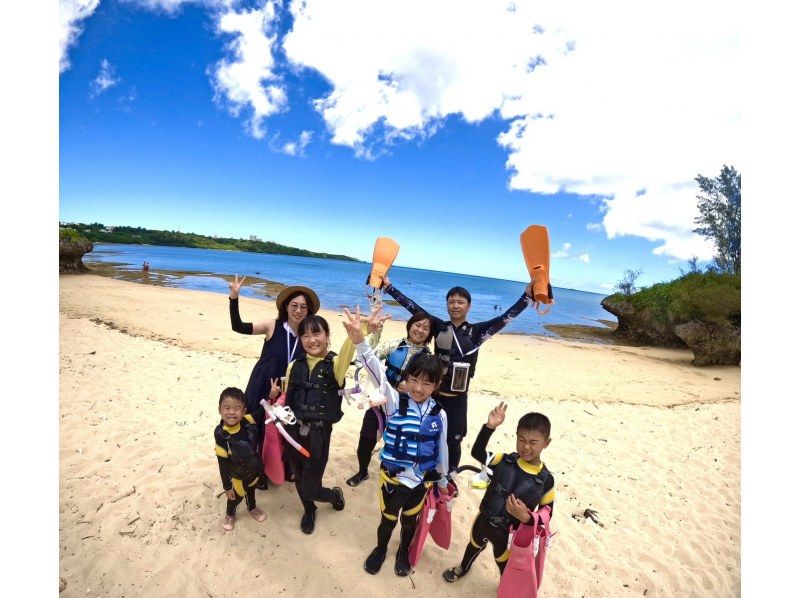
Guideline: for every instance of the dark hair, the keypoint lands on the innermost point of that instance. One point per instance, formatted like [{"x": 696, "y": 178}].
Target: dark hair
[
  {"x": 461, "y": 292},
  {"x": 535, "y": 422},
  {"x": 420, "y": 315},
  {"x": 283, "y": 310},
  {"x": 314, "y": 324},
  {"x": 234, "y": 393},
  {"x": 426, "y": 366}
]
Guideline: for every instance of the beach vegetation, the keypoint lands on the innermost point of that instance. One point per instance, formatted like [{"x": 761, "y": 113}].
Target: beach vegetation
[
  {"x": 627, "y": 286},
  {"x": 711, "y": 297},
  {"x": 99, "y": 233},
  {"x": 70, "y": 234},
  {"x": 720, "y": 219}
]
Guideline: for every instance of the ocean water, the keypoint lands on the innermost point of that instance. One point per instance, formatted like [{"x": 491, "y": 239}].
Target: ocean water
[{"x": 343, "y": 283}]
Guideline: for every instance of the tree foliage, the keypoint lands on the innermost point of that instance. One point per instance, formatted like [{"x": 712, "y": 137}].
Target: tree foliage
[
  {"x": 627, "y": 286},
  {"x": 720, "y": 205},
  {"x": 99, "y": 233}
]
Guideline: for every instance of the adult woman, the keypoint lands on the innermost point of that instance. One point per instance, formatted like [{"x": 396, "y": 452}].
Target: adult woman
[
  {"x": 280, "y": 341},
  {"x": 396, "y": 354}
]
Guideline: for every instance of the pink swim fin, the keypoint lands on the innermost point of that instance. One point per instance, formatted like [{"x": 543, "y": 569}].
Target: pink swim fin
[
  {"x": 424, "y": 520},
  {"x": 440, "y": 526},
  {"x": 523, "y": 573},
  {"x": 272, "y": 453}
]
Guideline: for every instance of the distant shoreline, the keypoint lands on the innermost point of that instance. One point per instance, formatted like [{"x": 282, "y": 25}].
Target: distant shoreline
[
  {"x": 266, "y": 289},
  {"x": 129, "y": 235}
]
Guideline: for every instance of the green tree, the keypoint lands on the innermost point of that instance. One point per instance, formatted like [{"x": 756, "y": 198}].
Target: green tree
[
  {"x": 720, "y": 205},
  {"x": 627, "y": 286}
]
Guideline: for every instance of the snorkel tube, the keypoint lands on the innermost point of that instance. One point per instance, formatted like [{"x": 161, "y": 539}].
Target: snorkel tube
[{"x": 280, "y": 413}]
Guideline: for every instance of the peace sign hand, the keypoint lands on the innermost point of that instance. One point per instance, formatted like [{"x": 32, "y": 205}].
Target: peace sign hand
[
  {"x": 274, "y": 388},
  {"x": 375, "y": 320},
  {"x": 235, "y": 286},
  {"x": 352, "y": 324}
]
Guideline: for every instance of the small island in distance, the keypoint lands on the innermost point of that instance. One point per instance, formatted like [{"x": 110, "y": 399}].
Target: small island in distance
[{"x": 100, "y": 233}]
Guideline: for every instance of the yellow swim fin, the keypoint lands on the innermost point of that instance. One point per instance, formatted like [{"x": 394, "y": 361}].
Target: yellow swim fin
[
  {"x": 383, "y": 256},
  {"x": 535, "y": 243}
]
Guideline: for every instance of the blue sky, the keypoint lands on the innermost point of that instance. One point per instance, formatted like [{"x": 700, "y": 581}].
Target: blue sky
[{"x": 315, "y": 125}]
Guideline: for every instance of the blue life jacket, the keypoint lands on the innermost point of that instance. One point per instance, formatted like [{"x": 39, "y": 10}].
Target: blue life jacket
[
  {"x": 395, "y": 361},
  {"x": 409, "y": 442}
]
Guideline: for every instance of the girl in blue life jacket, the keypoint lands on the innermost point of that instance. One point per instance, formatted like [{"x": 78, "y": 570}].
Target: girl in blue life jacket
[
  {"x": 397, "y": 354},
  {"x": 415, "y": 445}
]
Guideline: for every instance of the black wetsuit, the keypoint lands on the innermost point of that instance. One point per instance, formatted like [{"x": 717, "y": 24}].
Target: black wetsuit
[
  {"x": 492, "y": 523},
  {"x": 470, "y": 337},
  {"x": 245, "y": 489}
]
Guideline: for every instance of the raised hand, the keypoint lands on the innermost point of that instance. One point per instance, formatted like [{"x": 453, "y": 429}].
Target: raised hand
[
  {"x": 376, "y": 320},
  {"x": 496, "y": 416},
  {"x": 274, "y": 388},
  {"x": 352, "y": 324},
  {"x": 529, "y": 290},
  {"x": 235, "y": 286}
]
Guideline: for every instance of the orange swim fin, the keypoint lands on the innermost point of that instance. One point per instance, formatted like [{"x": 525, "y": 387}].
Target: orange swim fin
[
  {"x": 383, "y": 256},
  {"x": 535, "y": 243}
]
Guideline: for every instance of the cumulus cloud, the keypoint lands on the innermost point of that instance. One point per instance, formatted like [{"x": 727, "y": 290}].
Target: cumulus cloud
[
  {"x": 105, "y": 79},
  {"x": 564, "y": 252},
  {"x": 246, "y": 80},
  {"x": 594, "y": 227},
  {"x": 71, "y": 14},
  {"x": 584, "y": 257},
  {"x": 602, "y": 99},
  {"x": 293, "y": 148}
]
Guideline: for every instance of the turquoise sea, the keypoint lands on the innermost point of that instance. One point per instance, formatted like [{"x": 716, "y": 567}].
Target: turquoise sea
[{"x": 342, "y": 283}]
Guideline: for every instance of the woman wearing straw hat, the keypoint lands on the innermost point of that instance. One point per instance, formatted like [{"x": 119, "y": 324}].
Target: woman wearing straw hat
[{"x": 280, "y": 341}]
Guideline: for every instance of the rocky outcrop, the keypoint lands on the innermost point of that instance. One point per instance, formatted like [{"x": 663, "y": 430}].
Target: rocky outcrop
[
  {"x": 70, "y": 252},
  {"x": 641, "y": 327},
  {"x": 712, "y": 344}
]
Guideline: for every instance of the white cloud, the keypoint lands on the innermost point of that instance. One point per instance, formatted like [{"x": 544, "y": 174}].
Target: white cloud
[
  {"x": 295, "y": 148},
  {"x": 238, "y": 81},
  {"x": 105, "y": 79},
  {"x": 564, "y": 252},
  {"x": 70, "y": 15},
  {"x": 594, "y": 227},
  {"x": 584, "y": 257},
  {"x": 598, "y": 103}
]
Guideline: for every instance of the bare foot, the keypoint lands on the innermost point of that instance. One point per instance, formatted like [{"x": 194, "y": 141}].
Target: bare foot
[
  {"x": 227, "y": 523},
  {"x": 258, "y": 515}
]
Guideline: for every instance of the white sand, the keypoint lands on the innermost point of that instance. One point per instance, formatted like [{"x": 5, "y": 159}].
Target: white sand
[{"x": 640, "y": 435}]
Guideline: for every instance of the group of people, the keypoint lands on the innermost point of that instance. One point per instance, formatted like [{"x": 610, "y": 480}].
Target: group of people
[{"x": 421, "y": 416}]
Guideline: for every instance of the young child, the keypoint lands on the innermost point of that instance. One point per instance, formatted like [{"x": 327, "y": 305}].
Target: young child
[
  {"x": 313, "y": 383},
  {"x": 236, "y": 439},
  {"x": 415, "y": 445},
  {"x": 520, "y": 483},
  {"x": 397, "y": 355}
]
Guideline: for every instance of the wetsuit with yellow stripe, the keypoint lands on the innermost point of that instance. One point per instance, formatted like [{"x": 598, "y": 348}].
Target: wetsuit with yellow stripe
[
  {"x": 402, "y": 490},
  {"x": 243, "y": 488},
  {"x": 493, "y": 520},
  {"x": 314, "y": 433}
]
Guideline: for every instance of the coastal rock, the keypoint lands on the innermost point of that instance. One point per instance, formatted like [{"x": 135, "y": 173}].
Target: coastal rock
[
  {"x": 712, "y": 344},
  {"x": 70, "y": 252},
  {"x": 640, "y": 326}
]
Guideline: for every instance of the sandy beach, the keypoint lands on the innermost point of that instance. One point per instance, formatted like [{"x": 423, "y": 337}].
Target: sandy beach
[{"x": 640, "y": 435}]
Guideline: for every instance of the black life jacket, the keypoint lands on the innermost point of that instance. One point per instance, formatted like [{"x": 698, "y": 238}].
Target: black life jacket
[
  {"x": 395, "y": 361},
  {"x": 446, "y": 348},
  {"x": 314, "y": 395},
  {"x": 243, "y": 454},
  {"x": 509, "y": 478}
]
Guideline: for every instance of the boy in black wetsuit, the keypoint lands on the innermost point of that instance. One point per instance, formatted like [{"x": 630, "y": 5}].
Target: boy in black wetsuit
[
  {"x": 520, "y": 483},
  {"x": 456, "y": 342},
  {"x": 240, "y": 467}
]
